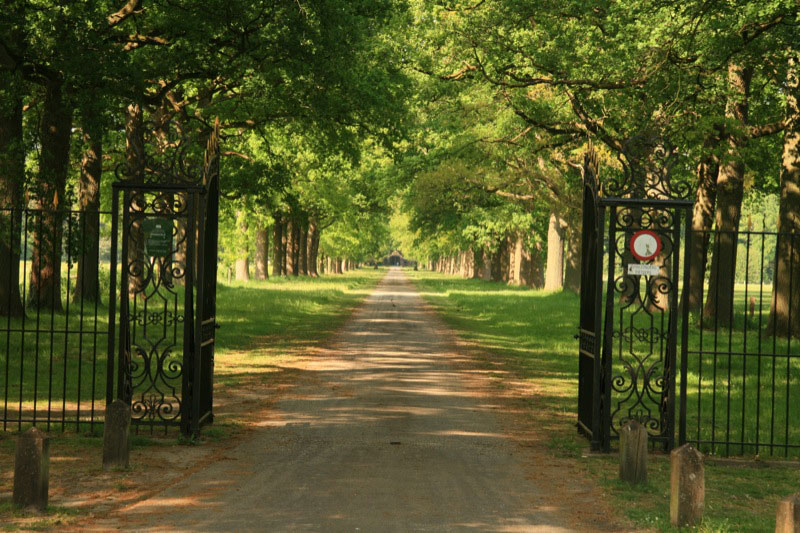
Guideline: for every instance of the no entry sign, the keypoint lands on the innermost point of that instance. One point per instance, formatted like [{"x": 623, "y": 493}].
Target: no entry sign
[{"x": 645, "y": 245}]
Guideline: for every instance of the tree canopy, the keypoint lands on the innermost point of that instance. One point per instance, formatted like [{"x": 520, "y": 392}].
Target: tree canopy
[{"x": 445, "y": 128}]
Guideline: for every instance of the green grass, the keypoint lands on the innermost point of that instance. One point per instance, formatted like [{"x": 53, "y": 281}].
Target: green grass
[
  {"x": 743, "y": 386},
  {"x": 533, "y": 331},
  {"x": 287, "y": 311},
  {"x": 52, "y": 519}
]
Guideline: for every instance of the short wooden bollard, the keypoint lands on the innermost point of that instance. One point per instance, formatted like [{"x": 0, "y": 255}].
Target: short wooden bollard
[
  {"x": 116, "y": 432},
  {"x": 32, "y": 470},
  {"x": 687, "y": 486},
  {"x": 633, "y": 453},
  {"x": 788, "y": 518}
]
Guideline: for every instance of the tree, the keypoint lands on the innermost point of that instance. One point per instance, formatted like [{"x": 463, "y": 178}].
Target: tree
[
  {"x": 785, "y": 307},
  {"x": 12, "y": 177}
]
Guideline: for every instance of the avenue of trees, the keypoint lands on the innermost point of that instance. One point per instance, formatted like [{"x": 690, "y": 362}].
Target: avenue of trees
[
  {"x": 451, "y": 130},
  {"x": 517, "y": 91},
  {"x": 309, "y": 94}
]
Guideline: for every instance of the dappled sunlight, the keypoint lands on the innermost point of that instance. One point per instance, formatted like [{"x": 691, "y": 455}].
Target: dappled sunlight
[
  {"x": 512, "y": 527},
  {"x": 382, "y": 420},
  {"x": 171, "y": 503},
  {"x": 63, "y": 459},
  {"x": 476, "y": 434}
]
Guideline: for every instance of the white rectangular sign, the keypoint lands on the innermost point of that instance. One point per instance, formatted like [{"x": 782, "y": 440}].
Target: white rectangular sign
[{"x": 643, "y": 270}]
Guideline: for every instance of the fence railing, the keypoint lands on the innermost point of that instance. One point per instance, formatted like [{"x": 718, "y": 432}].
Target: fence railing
[
  {"x": 740, "y": 367},
  {"x": 54, "y": 321}
]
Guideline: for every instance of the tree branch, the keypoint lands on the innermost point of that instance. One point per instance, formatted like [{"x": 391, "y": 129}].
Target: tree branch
[
  {"x": 126, "y": 11},
  {"x": 763, "y": 130}
]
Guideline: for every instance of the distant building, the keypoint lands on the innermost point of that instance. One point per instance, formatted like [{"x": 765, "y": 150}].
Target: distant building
[{"x": 396, "y": 259}]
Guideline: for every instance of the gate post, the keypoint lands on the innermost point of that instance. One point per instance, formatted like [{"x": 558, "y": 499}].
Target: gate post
[
  {"x": 597, "y": 404},
  {"x": 685, "y": 330},
  {"x": 112, "y": 298}
]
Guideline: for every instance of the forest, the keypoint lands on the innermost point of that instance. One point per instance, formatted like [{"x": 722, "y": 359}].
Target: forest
[{"x": 453, "y": 130}]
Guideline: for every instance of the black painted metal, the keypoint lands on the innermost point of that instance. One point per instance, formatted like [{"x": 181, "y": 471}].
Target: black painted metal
[
  {"x": 589, "y": 422},
  {"x": 628, "y": 340},
  {"x": 207, "y": 313},
  {"x": 155, "y": 297},
  {"x": 640, "y": 328},
  {"x": 740, "y": 381},
  {"x": 167, "y": 289},
  {"x": 51, "y": 358}
]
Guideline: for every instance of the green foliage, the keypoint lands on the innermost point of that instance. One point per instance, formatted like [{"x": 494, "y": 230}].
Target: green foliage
[{"x": 510, "y": 92}]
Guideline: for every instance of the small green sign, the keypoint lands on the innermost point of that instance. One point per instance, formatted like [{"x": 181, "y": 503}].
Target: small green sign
[{"x": 157, "y": 236}]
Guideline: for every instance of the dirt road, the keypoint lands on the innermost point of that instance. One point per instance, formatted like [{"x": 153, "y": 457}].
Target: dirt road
[{"x": 385, "y": 432}]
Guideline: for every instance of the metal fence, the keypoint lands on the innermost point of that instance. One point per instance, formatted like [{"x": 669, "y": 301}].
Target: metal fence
[
  {"x": 53, "y": 348},
  {"x": 740, "y": 366}
]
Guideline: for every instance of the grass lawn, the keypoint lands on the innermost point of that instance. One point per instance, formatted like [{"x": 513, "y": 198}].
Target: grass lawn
[
  {"x": 262, "y": 322},
  {"x": 533, "y": 331}
]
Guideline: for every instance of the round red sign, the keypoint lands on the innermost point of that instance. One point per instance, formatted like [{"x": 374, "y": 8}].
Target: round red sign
[{"x": 645, "y": 245}]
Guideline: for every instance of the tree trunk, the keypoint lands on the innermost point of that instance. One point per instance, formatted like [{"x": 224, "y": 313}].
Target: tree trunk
[
  {"x": 277, "y": 246},
  {"x": 295, "y": 248},
  {"x": 134, "y": 172},
  {"x": 243, "y": 257},
  {"x": 524, "y": 264},
  {"x": 313, "y": 247},
  {"x": 572, "y": 271},
  {"x": 518, "y": 260},
  {"x": 50, "y": 196},
  {"x": 477, "y": 263},
  {"x": 469, "y": 264},
  {"x": 286, "y": 246},
  {"x": 730, "y": 191},
  {"x": 87, "y": 284},
  {"x": 785, "y": 308},
  {"x": 303, "y": 249},
  {"x": 500, "y": 261},
  {"x": 702, "y": 218},
  {"x": 12, "y": 176},
  {"x": 506, "y": 259},
  {"x": 262, "y": 254},
  {"x": 537, "y": 267},
  {"x": 554, "y": 273}
]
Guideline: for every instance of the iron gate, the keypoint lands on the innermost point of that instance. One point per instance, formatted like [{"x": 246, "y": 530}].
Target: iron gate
[
  {"x": 632, "y": 232},
  {"x": 590, "y": 310},
  {"x": 167, "y": 290}
]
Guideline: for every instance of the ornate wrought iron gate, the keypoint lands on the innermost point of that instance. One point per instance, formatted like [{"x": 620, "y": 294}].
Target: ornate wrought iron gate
[
  {"x": 167, "y": 289},
  {"x": 632, "y": 233}
]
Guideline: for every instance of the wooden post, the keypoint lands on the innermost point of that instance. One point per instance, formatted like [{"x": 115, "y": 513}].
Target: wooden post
[
  {"x": 32, "y": 470},
  {"x": 633, "y": 453},
  {"x": 687, "y": 486},
  {"x": 116, "y": 430},
  {"x": 788, "y": 518}
]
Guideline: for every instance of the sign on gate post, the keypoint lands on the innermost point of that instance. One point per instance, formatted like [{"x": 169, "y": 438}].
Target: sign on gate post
[{"x": 157, "y": 236}]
